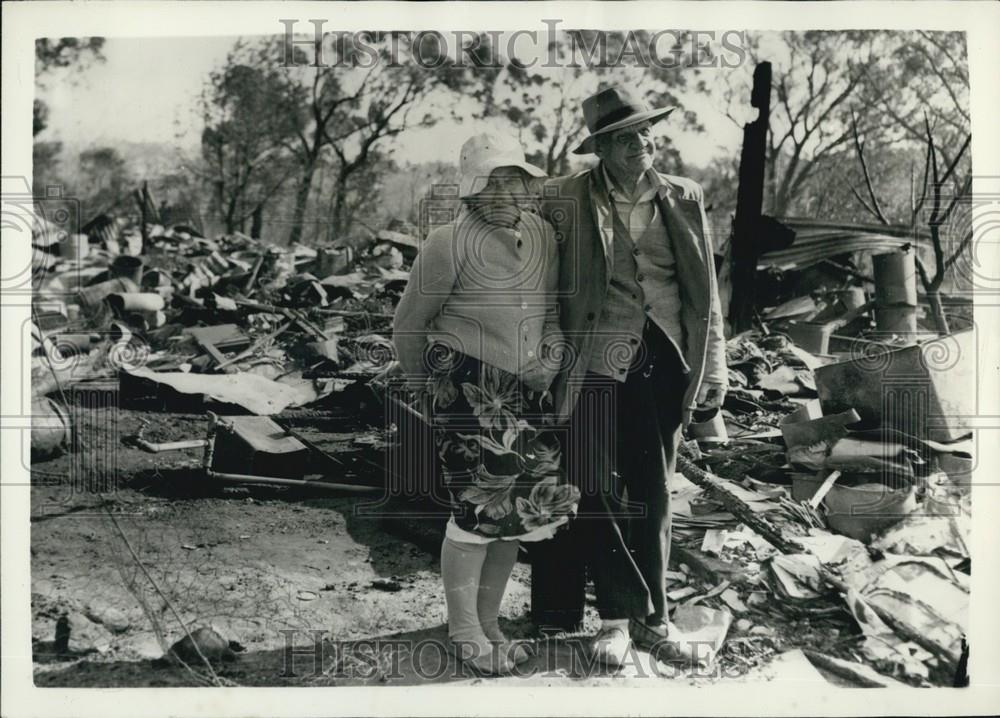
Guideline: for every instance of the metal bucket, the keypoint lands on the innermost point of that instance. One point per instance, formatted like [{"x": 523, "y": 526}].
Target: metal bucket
[
  {"x": 708, "y": 427},
  {"x": 860, "y": 510},
  {"x": 814, "y": 337},
  {"x": 128, "y": 267},
  {"x": 896, "y": 293},
  {"x": 91, "y": 297},
  {"x": 135, "y": 302},
  {"x": 853, "y": 298}
]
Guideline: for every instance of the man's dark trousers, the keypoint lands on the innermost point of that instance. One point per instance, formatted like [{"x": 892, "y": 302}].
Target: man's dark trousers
[{"x": 622, "y": 448}]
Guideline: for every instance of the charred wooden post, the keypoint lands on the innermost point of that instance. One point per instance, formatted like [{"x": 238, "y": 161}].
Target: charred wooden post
[
  {"x": 143, "y": 225},
  {"x": 257, "y": 222},
  {"x": 749, "y": 202},
  {"x": 148, "y": 213}
]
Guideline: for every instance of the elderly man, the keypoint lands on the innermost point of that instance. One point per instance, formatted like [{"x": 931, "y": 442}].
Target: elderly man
[{"x": 640, "y": 312}]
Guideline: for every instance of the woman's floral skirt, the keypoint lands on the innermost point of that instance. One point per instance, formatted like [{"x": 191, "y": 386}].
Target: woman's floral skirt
[{"x": 501, "y": 465}]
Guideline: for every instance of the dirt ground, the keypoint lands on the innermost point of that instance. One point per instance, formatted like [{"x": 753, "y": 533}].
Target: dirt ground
[{"x": 285, "y": 574}]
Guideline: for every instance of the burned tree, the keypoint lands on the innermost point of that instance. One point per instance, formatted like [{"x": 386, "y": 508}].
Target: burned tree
[
  {"x": 812, "y": 93},
  {"x": 544, "y": 103},
  {"x": 246, "y": 125},
  {"x": 938, "y": 214},
  {"x": 345, "y": 109},
  {"x": 749, "y": 200},
  {"x": 929, "y": 111}
]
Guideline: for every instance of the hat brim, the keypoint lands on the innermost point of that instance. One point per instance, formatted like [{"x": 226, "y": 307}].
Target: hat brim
[
  {"x": 468, "y": 182},
  {"x": 587, "y": 146}
]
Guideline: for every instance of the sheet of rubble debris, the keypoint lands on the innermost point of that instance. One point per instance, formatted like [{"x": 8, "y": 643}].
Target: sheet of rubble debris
[{"x": 807, "y": 533}]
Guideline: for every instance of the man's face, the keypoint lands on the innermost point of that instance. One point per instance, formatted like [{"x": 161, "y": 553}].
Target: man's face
[{"x": 628, "y": 151}]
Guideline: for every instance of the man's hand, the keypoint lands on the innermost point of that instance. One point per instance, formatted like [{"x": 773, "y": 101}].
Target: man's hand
[
  {"x": 710, "y": 395},
  {"x": 539, "y": 373}
]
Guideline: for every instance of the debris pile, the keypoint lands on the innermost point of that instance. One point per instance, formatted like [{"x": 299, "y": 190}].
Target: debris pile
[
  {"x": 820, "y": 493},
  {"x": 233, "y": 324},
  {"x": 833, "y": 507}
]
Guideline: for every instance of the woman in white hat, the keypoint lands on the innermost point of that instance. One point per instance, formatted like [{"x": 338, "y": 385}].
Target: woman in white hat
[{"x": 476, "y": 331}]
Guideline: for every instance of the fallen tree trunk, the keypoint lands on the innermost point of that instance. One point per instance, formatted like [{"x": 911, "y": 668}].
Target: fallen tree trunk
[{"x": 716, "y": 490}]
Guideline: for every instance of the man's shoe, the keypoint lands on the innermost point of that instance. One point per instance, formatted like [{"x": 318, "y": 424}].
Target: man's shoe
[
  {"x": 649, "y": 636},
  {"x": 668, "y": 644},
  {"x": 611, "y": 645},
  {"x": 688, "y": 649}
]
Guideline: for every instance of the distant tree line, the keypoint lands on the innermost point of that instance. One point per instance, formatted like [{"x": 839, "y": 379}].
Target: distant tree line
[{"x": 301, "y": 153}]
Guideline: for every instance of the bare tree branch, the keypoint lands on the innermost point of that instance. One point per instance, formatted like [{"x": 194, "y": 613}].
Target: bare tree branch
[
  {"x": 958, "y": 156},
  {"x": 966, "y": 240},
  {"x": 876, "y": 208},
  {"x": 956, "y": 199},
  {"x": 924, "y": 186},
  {"x": 945, "y": 83},
  {"x": 935, "y": 181},
  {"x": 922, "y": 271},
  {"x": 863, "y": 203}
]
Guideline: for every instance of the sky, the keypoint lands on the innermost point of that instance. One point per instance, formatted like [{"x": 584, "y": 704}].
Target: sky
[{"x": 146, "y": 90}]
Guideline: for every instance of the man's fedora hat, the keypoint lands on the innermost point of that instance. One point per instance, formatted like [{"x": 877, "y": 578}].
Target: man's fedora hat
[{"x": 613, "y": 108}]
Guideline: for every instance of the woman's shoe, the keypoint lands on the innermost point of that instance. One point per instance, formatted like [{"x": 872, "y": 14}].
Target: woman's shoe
[
  {"x": 516, "y": 651},
  {"x": 487, "y": 659}
]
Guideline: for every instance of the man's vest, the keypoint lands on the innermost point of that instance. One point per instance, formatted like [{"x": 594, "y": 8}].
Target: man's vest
[{"x": 643, "y": 284}]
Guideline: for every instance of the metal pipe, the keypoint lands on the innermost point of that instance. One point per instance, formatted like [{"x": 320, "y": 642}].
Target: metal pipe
[
  {"x": 171, "y": 445},
  {"x": 896, "y": 293},
  {"x": 249, "y": 479}
]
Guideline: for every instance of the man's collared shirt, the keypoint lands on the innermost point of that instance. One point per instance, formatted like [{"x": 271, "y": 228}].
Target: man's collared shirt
[{"x": 636, "y": 213}]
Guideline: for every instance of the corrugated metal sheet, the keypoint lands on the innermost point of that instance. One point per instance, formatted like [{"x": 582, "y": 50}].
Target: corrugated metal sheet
[{"x": 816, "y": 240}]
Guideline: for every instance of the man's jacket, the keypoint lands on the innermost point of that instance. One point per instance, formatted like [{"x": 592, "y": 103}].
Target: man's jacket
[{"x": 584, "y": 279}]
